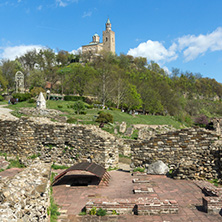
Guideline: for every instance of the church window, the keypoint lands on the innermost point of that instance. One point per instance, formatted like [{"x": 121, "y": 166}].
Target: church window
[{"x": 106, "y": 39}]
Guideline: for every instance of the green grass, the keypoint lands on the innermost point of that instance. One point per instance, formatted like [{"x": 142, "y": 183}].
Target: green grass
[
  {"x": 58, "y": 167},
  {"x": 3, "y": 102},
  {"x": 214, "y": 182},
  {"x": 53, "y": 208},
  {"x": 34, "y": 156},
  {"x": 139, "y": 169},
  {"x": 3, "y": 154},
  {"x": 90, "y": 117},
  {"x": 110, "y": 168},
  {"x": 15, "y": 164}
]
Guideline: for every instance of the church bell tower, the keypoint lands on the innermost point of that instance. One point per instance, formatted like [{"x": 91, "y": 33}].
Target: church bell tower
[{"x": 109, "y": 38}]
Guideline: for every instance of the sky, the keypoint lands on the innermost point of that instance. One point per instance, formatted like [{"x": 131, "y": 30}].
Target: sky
[{"x": 184, "y": 34}]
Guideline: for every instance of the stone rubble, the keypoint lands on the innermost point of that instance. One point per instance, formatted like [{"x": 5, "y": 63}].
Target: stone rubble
[{"x": 26, "y": 196}]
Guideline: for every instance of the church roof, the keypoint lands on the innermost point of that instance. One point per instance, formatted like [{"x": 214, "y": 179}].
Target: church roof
[
  {"x": 96, "y": 34},
  {"x": 108, "y": 21}
]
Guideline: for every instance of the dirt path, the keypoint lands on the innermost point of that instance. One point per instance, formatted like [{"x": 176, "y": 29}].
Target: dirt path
[{"x": 6, "y": 113}]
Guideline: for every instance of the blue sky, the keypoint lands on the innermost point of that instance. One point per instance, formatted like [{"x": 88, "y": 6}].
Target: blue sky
[{"x": 186, "y": 34}]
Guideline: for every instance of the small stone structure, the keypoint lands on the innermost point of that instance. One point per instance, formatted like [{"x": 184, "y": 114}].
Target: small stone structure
[
  {"x": 122, "y": 127},
  {"x": 19, "y": 82},
  {"x": 137, "y": 206},
  {"x": 212, "y": 201},
  {"x": 41, "y": 103},
  {"x": 26, "y": 196}
]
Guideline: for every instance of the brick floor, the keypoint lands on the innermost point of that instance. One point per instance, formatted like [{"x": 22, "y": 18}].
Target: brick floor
[
  {"x": 10, "y": 172},
  {"x": 186, "y": 193}
]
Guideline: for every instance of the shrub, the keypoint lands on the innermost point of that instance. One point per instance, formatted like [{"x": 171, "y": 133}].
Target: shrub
[
  {"x": 90, "y": 107},
  {"x": 74, "y": 98},
  {"x": 71, "y": 120},
  {"x": 79, "y": 106},
  {"x": 201, "y": 121},
  {"x": 82, "y": 112},
  {"x": 104, "y": 118},
  {"x": 114, "y": 212},
  {"x": 101, "y": 212},
  {"x": 36, "y": 90},
  {"x": 22, "y": 96},
  {"x": 93, "y": 211},
  {"x": 60, "y": 106},
  {"x": 1, "y": 98},
  {"x": 31, "y": 101}
]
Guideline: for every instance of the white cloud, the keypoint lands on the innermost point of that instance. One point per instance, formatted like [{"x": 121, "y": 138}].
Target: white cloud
[
  {"x": 154, "y": 50},
  {"x": 13, "y": 51},
  {"x": 64, "y": 3},
  {"x": 87, "y": 14},
  {"x": 75, "y": 52},
  {"x": 190, "y": 46},
  {"x": 166, "y": 70},
  {"x": 193, "y": 46}
]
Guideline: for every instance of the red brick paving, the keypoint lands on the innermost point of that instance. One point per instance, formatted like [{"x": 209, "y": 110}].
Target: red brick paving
[
  {"x": 10, "y": 172},
  {"x": 186, "y": 193}
]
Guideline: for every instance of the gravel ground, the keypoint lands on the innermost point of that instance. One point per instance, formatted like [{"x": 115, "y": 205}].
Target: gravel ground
[{"x": 5, "y": 113}]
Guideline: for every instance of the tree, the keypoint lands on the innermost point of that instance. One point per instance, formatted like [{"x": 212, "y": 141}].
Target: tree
[
  {"x": 36, "y": 79},
  {"x": 151, "y": 100},
  {"x": 132, "y": 98},
  {"x": 76, "y": 78},
  {"x": 78, "y": 106},
  {"x": 29, "y": 60},
  {"x": 3, "y": 81},
  {"x": 8, "y": 70},
  {"x": 104, "y": 65},
  {"x": 62, "y": 58}
]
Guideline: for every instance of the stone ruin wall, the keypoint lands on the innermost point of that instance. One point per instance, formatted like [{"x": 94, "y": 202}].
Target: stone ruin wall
[
  {"x": 25, "y": 197},
  {"x": 193, "y": 153},
  {"x": 61, "y": 143}
]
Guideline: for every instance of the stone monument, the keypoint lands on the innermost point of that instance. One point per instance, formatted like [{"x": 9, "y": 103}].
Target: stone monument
[
  {"x": 41, "y": 103},
  {"x": 19, "y": 82},
  {"x": 122, "y": 127}
]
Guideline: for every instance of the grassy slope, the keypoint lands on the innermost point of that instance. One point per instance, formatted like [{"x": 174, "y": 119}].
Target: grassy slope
[{"x": 90, "y": 117}]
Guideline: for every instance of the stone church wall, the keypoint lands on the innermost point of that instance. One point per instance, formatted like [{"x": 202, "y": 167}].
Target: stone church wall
[
  {"x": 58, "y": 142},
  {"x": 192, "y": 153}
]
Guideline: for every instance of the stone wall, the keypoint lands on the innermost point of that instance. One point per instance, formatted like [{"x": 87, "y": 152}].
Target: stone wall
[
  {"x": 26, "y": 196},
  {"x": 58, "y": 142},
  {"x": 137, "y": 206},
  {"x": 192, "y": 153}
]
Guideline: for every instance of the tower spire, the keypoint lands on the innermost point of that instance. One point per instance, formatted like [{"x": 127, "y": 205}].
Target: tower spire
[{"x": 108, "y": 25}]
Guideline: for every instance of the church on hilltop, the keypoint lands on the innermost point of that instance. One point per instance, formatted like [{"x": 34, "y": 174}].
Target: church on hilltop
[{"x": 107, "y": 45}]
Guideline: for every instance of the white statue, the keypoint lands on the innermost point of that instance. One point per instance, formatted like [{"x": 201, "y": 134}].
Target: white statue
[{"x": 41, "y": 103}]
